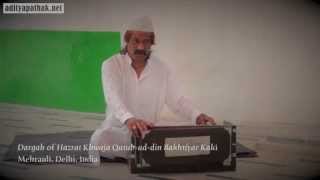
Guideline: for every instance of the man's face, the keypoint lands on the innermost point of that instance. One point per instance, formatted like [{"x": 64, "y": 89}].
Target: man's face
[{"x": 139, "y": 45}]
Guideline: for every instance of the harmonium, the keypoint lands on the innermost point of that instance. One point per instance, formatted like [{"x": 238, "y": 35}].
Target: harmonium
[{"x": 185, "y": 149}]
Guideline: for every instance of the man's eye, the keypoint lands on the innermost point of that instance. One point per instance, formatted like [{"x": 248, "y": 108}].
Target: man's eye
[
  {"x": 135, "y": 41},
  {"x": 146, "y": 41}
]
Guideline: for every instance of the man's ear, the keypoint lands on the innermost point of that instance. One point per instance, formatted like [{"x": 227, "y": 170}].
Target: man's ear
[{"x": 124, "y": 50}]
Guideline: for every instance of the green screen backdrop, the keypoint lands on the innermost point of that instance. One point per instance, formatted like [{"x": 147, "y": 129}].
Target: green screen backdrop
[{"x": 55, "y": 69}]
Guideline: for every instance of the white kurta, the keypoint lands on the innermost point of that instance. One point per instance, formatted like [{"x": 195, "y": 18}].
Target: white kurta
[{"x": 128, "y": 96}]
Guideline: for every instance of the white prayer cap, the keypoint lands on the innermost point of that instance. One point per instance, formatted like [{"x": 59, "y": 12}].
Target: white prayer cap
[{"x": 141, "y": 24}]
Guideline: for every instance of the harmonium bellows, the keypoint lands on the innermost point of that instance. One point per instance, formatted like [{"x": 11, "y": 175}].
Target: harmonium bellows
[{"x": 185, "y": 149}]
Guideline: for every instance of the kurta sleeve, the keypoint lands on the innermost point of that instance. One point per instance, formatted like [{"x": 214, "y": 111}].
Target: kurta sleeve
[
  {"x": 177, "y": 102},
  {"x": 111, "y": 81}
]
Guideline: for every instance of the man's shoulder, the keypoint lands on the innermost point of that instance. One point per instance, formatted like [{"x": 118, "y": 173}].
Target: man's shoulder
[
  {"x": 113, "y": 60},
  {"x": 159, "y": 63}
]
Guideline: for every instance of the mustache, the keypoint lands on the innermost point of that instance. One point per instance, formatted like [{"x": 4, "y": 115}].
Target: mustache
[{"x": 142, "y": 52}]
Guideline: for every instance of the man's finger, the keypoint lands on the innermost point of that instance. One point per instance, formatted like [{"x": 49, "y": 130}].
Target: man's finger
[
  {"x": 138, "y": 124},
  {"x": 143, "y": 125},
  {"x": 210, "y": 120},
  {"x": 150, "y": 124},
  {"x": 136, "y": 133},
  {"x": 202, "y": 121},
  {"x": 139, "y": 128},
  {"x": 133, "y": 129}
]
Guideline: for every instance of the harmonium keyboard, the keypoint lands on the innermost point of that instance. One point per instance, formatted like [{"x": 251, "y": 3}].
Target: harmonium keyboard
[{"x": 185, "y": 149}]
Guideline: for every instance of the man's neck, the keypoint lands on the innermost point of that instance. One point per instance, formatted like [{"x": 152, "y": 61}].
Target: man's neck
[{"x": 138, "y": 63}]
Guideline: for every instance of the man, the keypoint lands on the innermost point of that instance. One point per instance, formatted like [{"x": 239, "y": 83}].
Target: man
[{"x": 136, "y": 86}]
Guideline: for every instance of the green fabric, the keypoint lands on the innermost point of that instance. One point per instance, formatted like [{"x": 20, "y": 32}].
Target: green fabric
[{"x": 55, "y": 69}]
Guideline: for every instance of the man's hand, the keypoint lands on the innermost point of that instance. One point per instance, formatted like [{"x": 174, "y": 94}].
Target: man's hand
[
  {"x": 204, "y": 119},
  {"x": 138, "y": 126}
]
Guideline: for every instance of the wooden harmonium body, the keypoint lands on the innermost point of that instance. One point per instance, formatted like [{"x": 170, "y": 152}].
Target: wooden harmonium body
[{"x": 185, "y": 149}]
